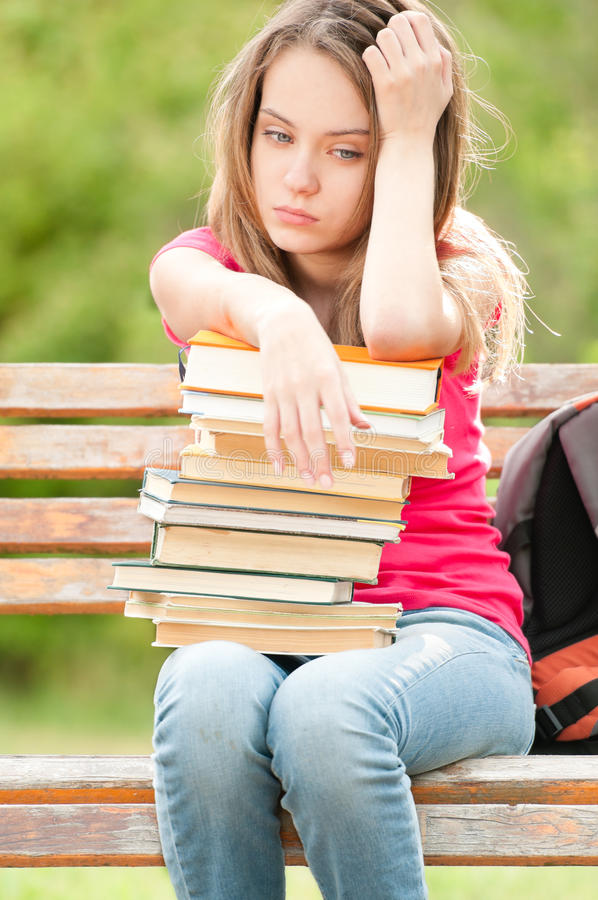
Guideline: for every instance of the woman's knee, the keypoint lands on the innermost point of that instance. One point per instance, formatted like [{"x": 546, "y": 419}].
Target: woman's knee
[
  {"x": 216, "y": 684},
  {"x": 320, "y": 713}
]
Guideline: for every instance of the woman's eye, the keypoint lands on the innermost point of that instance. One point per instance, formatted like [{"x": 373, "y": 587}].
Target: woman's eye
[
  {"x": 279, "y": 136},
  {"x": 343, "y": 153}
]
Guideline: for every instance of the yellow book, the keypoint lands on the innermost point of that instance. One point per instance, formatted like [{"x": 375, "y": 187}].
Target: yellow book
[
  {"x": 254, "y": 551},
  {"x": 429, "y": 462},
  {"x": 271, "y": 639},
  {"x": 268, "y": 613},
  {"x": 203, "y": 465}
]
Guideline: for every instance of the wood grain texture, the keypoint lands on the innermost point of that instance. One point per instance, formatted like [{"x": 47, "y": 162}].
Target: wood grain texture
[
  {"x": 539, "y": 389},
  {"x": 115, "y": 389},
  {"x": 511, "y": 780},
  {"x": 127, "y": 834},
  {"x": 88, "y": 451},
  {"x": 57, "y": 585},
  {"x": 120, "y": 451},
  {"x": 77, "y": 524},
  {"x": 79, "y": 835},
  {"x": 98, "y": 389}
]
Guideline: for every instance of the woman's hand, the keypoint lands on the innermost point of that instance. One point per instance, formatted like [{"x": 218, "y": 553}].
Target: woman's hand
[
  {"x": 412, "y": 76},
  {"x": 302, "y": 371}
]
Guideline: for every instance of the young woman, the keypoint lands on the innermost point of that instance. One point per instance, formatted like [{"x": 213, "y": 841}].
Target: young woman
[{"x": 342, "y": 132}]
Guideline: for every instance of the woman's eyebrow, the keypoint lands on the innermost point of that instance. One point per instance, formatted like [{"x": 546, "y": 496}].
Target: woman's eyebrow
[{"x": 336, "y": 133}]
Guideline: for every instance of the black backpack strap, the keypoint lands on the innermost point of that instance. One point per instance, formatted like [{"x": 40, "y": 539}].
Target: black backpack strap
[{"x": 551, "y": 720}]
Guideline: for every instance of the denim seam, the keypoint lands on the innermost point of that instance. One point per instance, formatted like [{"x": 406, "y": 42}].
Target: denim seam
[{"x": 423, "y": 677}]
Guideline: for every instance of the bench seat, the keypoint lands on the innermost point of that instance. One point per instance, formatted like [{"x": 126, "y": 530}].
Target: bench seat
[{"x": 99, "y": 810}]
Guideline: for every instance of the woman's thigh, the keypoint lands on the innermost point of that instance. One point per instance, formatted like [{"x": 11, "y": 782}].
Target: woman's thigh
[{"x": 452, "y": 686}]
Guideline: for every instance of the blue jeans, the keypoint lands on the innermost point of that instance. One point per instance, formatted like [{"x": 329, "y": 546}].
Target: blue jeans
[{"x": 341, "y": 734}]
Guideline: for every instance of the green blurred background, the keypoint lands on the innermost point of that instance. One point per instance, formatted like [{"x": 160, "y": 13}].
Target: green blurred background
[{"x": 103, "y": 103}]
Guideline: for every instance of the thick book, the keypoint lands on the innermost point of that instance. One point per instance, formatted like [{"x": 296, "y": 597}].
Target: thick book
[
  {"x": 289, "y": 617},
  {"x": 427, "y": 462},
  {"x": 204, "y": 465},
  {"x": 139, "y": 575},
  {"x": 430, "y": 432},
  {"x": 192, "y": 602},
  {"x": 167, "y": 484},
  {"x": 272, "y": 639},
  {"x": 250, "y": 551},
  {"x": 222, "y": 364},
  {"x": 249, "y": 410},
  {"x": 176, "y": 513}
]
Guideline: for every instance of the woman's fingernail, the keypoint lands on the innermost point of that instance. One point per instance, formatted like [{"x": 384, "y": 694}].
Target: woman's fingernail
[
  {"x": 326, "y": 481},
  {"x": 348, "y": 459}
]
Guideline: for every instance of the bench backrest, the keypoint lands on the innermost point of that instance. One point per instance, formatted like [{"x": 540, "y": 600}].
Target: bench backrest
[{"x": 98, "y": 529}]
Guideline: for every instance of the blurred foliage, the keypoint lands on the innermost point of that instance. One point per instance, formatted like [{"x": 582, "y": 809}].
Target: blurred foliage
[{"x": 102, "y": 105}]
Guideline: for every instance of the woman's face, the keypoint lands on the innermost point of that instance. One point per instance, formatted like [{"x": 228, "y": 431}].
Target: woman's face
[{"x": 309, "y": 153}]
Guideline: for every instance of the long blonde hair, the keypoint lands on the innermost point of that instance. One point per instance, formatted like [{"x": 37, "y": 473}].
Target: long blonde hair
[{"x": 475, "y": 265}]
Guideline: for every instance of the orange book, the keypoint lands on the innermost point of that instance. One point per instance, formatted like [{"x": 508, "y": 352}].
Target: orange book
[{"x": 222, "y": 365}]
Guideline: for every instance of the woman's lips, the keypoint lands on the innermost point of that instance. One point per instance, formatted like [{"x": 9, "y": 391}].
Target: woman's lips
[{"x": 294, "y": 216}]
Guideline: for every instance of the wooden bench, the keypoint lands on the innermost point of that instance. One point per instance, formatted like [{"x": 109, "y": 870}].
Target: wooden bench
[{"x": 58, "y": 811}]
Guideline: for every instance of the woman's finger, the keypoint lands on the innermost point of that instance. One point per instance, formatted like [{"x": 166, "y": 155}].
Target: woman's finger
[
  {"x": 391, "y": 48},
  {"x": 290, "y": 426},
  {"x": 421, "y": 26},
  {"x": 447, "y": 68},
  {"x": 272, "y": 440},
  {"x": 401, "y": 27},
  {"x": 313, "y": 436}
]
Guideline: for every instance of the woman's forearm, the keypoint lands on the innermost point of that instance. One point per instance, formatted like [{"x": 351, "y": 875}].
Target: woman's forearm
[
  {"x": 195, "y": 292},
  {"x": 405, "y": 312}
]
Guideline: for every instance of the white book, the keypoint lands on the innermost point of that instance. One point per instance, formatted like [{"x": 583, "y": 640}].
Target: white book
[{"x": 251, "y": 410}]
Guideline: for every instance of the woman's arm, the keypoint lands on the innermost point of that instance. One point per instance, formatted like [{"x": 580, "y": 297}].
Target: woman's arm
[
  {"x": 300, "y": 367},
  {"x": 406, "y": 313},
  {"x": 193, "y": 291}
]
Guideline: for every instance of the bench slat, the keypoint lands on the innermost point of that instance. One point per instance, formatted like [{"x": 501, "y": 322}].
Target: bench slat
[
  {"x": 77, "y": 524},
  {"x": 540, "y": 389},
  {"x": 553, "y": 780},
  {"x": 127, "y": 834},
  {"x": 72, "y": 390},
  {"x": 50, "y": 586},
  {"x": 79, "y": 835},
  {"x": 118, "y": 451},
  {"x": 114, "y": 389},
  {"x": 88, "y": 451}
]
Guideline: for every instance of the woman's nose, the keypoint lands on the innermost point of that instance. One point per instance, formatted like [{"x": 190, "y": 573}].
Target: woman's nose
[{"x": 301, "y": 176}]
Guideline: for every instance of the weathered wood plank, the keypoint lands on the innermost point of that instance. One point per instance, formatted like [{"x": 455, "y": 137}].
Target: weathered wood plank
[
  {"x": 79, "y": 835},
  {"x": 497, "y": 835},
  {"x": 540, "y": 389},
  {"x": 49, "y": 586},
  {"x": 127, "y": 834},
  {"x": 108, "y": 525},
  {"x": 76, "y": 779},
  {"x": 115, "y": 389},
  {"x": 118, "y": 451},
  {"x": 74, "y": 389},
  {"x": 88, "y": 451},
  {"x": 511, "y": 780}
]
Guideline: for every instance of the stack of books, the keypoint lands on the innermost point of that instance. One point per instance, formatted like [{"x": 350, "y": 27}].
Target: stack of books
[{"x": 242, "y": 553}]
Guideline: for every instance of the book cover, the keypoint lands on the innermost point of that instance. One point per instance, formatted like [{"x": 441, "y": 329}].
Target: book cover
[
  {"x": 249, "y": 551},
  {"x": 271, "y": 639},
  {"x": 141, "y": 575},
  {"x": 205, "y": 465},
  {"x": 250, "y": 410},
  {"x": 177, "y": 513},
  {"x": 168, "y": 484},
  {"x": 221, "y": 364}
]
